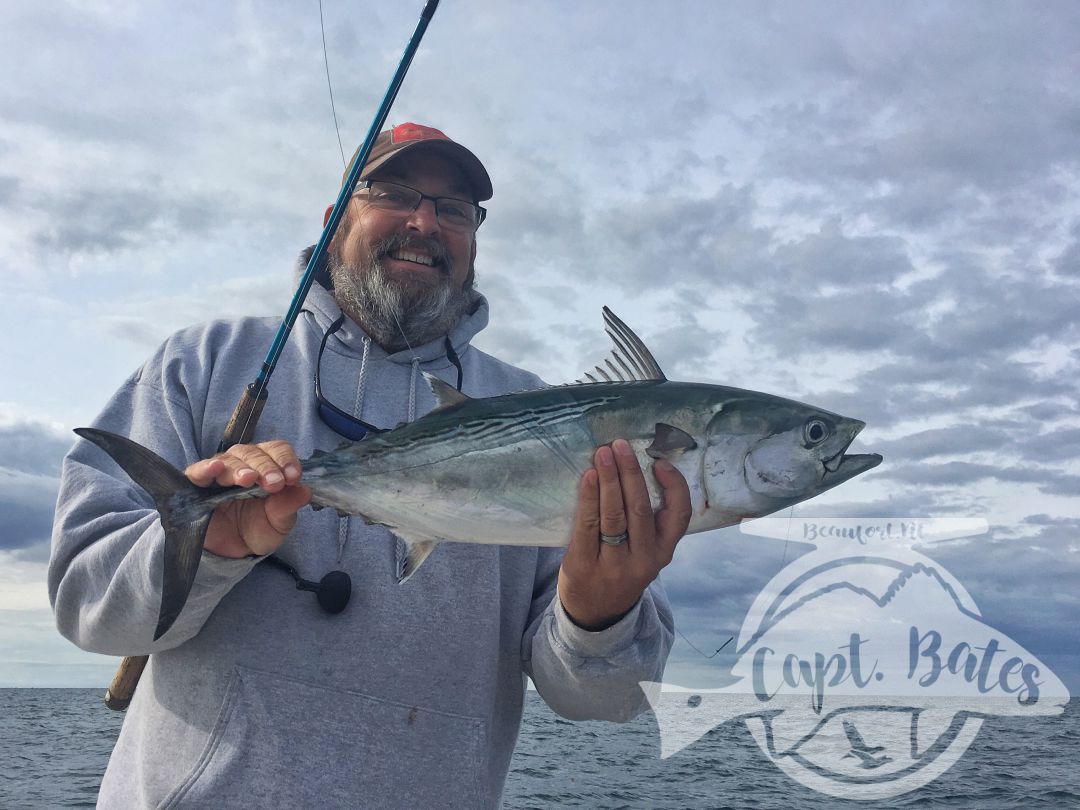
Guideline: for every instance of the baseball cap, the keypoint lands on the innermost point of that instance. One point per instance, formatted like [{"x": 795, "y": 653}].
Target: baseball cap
[{"x": 393, "y": 143}]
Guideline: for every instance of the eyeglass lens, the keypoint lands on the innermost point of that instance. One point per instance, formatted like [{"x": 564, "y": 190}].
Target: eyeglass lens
[{"x": 450, "y": 211}]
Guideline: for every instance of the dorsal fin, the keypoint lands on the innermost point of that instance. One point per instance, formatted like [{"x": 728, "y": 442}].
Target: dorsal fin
[
  {"x": 630, "y": 359},
  {"x": 445, "y": 394}
]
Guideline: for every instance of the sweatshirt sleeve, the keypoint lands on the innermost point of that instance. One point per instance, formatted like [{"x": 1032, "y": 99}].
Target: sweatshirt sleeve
[
  {"x": 105, "y": 567},
  {"x": 584, "y": 675}
]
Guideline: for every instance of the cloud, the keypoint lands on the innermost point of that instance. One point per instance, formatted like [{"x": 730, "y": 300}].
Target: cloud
[
  {"x": 32, "y": 448},
  {"x": 873, "y": 210},
  {"x": 30, "y": 457},
  {"x": 1068, "y": 263},
  {"x": 159, "y": 316},
  {"x": 962, "y": 473},
  {"x": 999, "y": 572},
  {"x": 950, "y": 441},
  {"x": 108, "y": 220},
  {"x": 26, "y": 508}
]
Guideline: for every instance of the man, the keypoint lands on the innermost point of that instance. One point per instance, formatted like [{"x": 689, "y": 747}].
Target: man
[{"x": 412, "y": 696}]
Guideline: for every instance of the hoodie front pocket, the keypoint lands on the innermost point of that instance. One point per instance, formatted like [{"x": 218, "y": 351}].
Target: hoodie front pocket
[{"x": 280, "y": 742}]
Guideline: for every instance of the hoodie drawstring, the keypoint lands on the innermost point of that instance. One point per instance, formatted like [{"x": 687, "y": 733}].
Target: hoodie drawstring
[
  {"x": 358, "y": 410},
  {"x": 412, "y": 388},
  {"x": 358, "y": 404},
  {"x": 452, "y": 356},
  {"x": 400, "y": 556}
]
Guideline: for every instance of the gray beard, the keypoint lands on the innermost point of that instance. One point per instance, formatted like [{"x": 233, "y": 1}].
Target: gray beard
[{"x": 395, "y": 313}]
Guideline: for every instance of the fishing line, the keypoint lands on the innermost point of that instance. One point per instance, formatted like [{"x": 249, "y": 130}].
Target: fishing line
[
  {"x": 326, "y": 64},
  {"x": 699, "y": 652},
  {"x": 412, "y": 351},
  {"x": 787, "y": 537},
  {"x": 337, "y": 129}
]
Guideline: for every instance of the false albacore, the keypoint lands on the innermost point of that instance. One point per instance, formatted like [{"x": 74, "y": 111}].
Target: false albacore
[{"x": 506, "y": 469}]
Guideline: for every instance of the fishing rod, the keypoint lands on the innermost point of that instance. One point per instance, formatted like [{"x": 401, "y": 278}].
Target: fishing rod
[
  {"x": 242, "y": 423},
  {"x": 248, "y": 410}
]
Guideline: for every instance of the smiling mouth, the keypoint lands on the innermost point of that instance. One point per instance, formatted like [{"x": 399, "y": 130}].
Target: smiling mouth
[{"x": 422, "y": 259}]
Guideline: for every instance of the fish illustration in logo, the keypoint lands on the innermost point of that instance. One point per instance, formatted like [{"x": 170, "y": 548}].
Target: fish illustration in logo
[{"x": 864, "y": 673}]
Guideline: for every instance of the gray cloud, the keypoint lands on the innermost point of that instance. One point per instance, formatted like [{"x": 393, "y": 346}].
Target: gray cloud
[
  {"x": 999, "y": 573},
  {"x": 26, "y": 508},
  {"x": 30, "y": 457},
  {"x": 1053, "y": 446},
  {"x": 29, "y": 447},
  {"x": 9, "y": 190},
  {"x": 963, "y": 473},
  {"x": 1068, "y": 263},
  {"x": 870, "y": 208},
  {"x": 951, "y": 441},
  {"x": 937, "y": 108},
  {"x": 105, "y": 220}
]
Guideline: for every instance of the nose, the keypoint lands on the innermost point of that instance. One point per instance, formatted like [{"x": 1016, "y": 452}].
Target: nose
[{"x": 424, "y": 218}]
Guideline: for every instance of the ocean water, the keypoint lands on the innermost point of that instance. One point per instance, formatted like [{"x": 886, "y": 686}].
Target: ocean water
[{"x": 54, "y": 744}]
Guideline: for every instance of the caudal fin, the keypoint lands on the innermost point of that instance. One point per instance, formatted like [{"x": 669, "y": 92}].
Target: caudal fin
[{"x": 174, "y": 496}]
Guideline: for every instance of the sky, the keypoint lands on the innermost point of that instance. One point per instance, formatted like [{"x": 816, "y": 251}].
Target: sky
[{"x": 872, "y": 207}]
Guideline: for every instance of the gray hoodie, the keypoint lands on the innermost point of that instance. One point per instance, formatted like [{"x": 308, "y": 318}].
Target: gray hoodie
[{"x": 411, "y": 697}]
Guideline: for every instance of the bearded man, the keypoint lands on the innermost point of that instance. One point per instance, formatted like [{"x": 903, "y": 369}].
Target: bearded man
[{"x": 402, "y": 695}]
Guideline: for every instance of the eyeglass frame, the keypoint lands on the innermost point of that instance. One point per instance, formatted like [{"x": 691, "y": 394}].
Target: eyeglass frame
[
  {"x": 355, "y": 428},
  {"x": 365, "y": 185}
]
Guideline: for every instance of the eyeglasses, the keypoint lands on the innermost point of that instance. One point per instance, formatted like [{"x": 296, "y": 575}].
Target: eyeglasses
[
  {"x": 336, "y": 419},
  {"x": 457, "y": 215}
]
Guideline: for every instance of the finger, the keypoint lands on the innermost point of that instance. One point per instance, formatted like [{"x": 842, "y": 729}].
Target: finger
[
  {"x": 224, "y": 469},
  {"x": 251, "y": 464},
  {"x": 612, "y": 508},
  {"x": 674, "y": 518},
  {"x": 638, "y": 511},
  {"x": 281, "y": 508},
  {"x": 264, "y": 525},
  {"x": 285, "y": 457},
  {"x": 585, "y": 534},
  {"x": 204, "y": 473}
]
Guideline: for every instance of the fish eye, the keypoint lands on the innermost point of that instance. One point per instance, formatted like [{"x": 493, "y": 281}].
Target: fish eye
[{"x": 816, "y": 431}]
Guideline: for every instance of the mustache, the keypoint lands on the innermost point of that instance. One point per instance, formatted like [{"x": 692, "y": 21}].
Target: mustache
[{"x": 403, "y": 241}]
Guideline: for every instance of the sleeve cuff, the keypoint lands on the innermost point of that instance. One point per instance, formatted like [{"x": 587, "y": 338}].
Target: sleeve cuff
[
  {"x": 215, "y": 570},
  {"x": 599, "y": 643}
]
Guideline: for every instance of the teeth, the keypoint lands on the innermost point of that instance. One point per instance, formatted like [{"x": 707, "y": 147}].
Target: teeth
[{"x": 416, "y": 258}]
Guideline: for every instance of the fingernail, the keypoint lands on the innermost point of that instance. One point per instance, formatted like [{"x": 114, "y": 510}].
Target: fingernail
[
  {"x": 274, "y": 478},
  {"x": 665, "y": 465},
  {"x": 622, "y": 447},
  {"x": 603, "y": 455},
  {"x": 245, "y": 471},
  {"x": 292, "y": 472}
]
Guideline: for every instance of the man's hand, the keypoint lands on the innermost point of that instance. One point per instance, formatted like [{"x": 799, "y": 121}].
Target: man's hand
[
  {"x": 256, "y": 525},
  {"x": 599, "y": 583}
]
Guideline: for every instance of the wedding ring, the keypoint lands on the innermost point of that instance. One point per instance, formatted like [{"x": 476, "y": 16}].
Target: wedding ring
[{"x": 613, "y": 539}]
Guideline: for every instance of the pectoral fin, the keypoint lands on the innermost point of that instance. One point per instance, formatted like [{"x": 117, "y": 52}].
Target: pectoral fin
[{"x": 669, "y": 442}]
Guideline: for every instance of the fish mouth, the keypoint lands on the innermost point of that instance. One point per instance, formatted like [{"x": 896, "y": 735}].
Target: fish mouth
[
  {"x": 849, "y": 466},
  {"x": 842, "y": 466}
]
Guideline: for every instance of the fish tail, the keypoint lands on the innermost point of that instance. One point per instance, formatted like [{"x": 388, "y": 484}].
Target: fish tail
[{"x": 185, "y": 511}]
